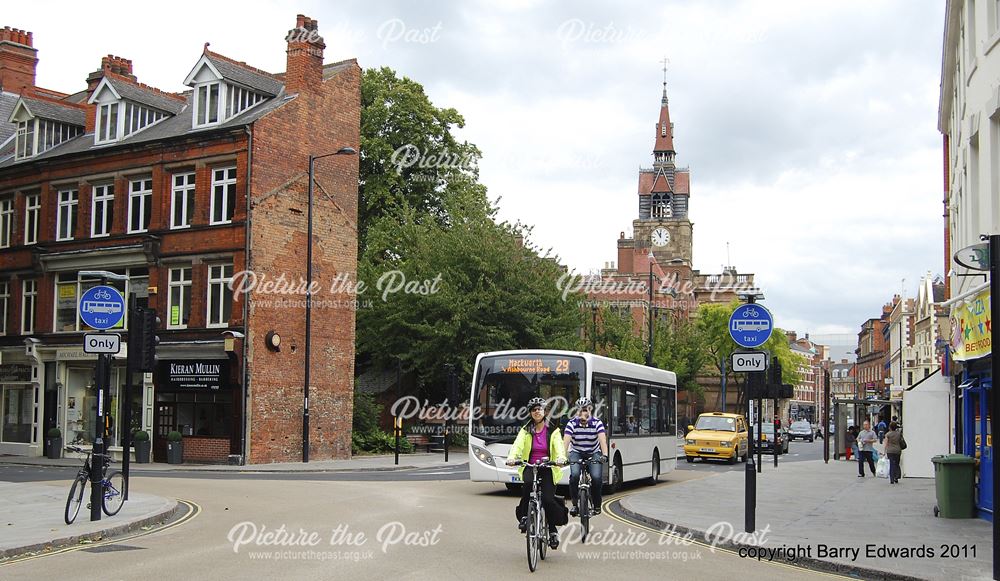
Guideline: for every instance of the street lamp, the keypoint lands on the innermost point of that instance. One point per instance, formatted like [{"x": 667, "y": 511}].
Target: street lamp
[
  {"x": 309, "y": 280},
  {"x": 649, "y": 351},
  {"x": 593, "y": 334}
]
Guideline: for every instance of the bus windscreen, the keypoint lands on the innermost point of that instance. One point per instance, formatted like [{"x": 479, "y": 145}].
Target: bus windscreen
[{"x": 505, "y": 384}]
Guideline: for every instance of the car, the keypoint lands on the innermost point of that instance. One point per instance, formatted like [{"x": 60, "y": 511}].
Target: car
[
  {"x": 767, "y": 439},
  {"x": 717, "y": 435},
  {"x": 801, "y": 429}
]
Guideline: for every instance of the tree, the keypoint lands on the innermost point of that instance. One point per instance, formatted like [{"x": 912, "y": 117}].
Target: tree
[
  {"x": 409, "y": 156},
  {"x": 679, "y": 347},
  {"x": 476, "y": 286},
  {"x": 713, "y": 326},
  {"x": 616, "y": 336}
]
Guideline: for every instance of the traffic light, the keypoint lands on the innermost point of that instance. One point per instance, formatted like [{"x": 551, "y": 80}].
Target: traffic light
[{"x": 143, "y": 339}]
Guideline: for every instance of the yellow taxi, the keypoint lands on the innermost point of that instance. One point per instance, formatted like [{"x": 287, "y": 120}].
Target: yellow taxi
[{"x": 717, "y": 435}]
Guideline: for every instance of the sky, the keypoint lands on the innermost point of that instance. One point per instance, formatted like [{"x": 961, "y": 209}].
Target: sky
[{"x": 810, "y": 128}]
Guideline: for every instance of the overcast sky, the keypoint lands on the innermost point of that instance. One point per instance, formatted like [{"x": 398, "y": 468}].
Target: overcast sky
[{"x": 809, "y": 127}]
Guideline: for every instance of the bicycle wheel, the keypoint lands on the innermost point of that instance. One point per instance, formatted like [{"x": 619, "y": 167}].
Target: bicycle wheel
[
  {"x": 543, "y": 533},
  {"x": 531, "y": 534},
  {"x": 75, "y": 499},
  {"x": 584, "y": 504},
  {"x": 114, "y": 493}
]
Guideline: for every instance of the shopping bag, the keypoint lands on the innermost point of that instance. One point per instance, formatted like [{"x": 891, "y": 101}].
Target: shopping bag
[{"x": 882, "y": 467}]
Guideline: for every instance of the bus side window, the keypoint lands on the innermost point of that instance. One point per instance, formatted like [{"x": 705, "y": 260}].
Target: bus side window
[
  {"x": 618, "y": 407},
  {"x": 602, "y": 402}
]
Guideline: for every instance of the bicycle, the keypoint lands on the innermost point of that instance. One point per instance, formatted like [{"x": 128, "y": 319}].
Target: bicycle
[
  {"x": 113, "y": 486},
  {"x": 583, "y": 494},
  {"x": 536, "y": 532}
]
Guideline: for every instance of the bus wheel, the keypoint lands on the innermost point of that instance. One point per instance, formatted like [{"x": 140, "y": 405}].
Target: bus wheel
[
  {"x": 656, "y": 469},
  {"x": 615, "y": 481}
]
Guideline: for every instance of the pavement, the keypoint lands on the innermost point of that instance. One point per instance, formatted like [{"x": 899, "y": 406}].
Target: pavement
[
  {"x": 32, "y": 513},
  {"x": 33, "y": 522},
  {"x": 355, "y": 464},
  {"x": 806, "y": 507}
]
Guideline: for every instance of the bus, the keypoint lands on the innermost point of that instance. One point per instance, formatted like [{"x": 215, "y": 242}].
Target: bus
[{"x": 637, "y": 404}]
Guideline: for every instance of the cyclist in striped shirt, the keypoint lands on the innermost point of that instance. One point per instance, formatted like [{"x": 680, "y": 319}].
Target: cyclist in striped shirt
[{"x": 586, "y": 439}]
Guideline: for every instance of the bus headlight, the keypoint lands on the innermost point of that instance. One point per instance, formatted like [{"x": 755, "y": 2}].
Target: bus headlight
[{"x": 484, "y": 456}]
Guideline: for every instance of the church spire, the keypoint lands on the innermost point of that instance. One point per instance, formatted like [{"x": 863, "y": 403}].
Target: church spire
[{"x": 664, "y": 146}]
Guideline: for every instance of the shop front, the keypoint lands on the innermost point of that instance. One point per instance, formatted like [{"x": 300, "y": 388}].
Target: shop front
[
  {"x": 971, "y": 349},
  {"x": 199, "y": 399},
  {"x": 19, "y": 397}
]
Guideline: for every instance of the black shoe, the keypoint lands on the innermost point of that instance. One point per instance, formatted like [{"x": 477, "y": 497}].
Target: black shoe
[
  {"x": 596, "y": 511},
  {"x": 574, "y": 511},
  {"x": 523, "y": 525},
  {"x": 861, "y": 475},
  {"x": 553, "y": 540}
]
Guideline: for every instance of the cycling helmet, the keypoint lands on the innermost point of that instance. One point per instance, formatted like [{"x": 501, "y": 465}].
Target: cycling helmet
[
  {"x": 584, "y": 402},
  {"x": 536, "y": 402}
]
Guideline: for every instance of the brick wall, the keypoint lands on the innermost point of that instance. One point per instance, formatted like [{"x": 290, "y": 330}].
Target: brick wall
[
  {"x": 318, "y": 121},
  {"x": 204, "y": 450}
]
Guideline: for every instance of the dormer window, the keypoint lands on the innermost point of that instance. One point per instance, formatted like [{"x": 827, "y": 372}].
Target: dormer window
[
  {"x": 36, "y": 134},
  {"x": 119, "y": 117},
  {"x": 207, "y": 104},
  {"x": 223, "y": 89},
  {"x": 107, "y": 123}
]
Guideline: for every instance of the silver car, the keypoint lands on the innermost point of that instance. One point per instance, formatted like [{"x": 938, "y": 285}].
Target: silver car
[{"x": 801, "y": 429}]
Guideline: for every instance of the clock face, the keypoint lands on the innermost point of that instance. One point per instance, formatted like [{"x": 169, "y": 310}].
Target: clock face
[{"x": 660, "y": 237}]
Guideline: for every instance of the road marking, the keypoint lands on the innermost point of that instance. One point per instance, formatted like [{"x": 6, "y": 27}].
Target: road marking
[
  {"x": 606, "y": 509},
  {"x": 194, "y": 510}
]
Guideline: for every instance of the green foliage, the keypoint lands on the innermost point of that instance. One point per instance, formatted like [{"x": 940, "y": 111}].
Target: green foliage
[
  {"x": 680, "y": 347},
  {"x": 54, "y": 433},
  {"x": 174, "y": 436},
  {"x": 480, "y": 284},
  {"x": 140, "y": 436},
  {"x": 616, "y": 336},
  {"x": 378, "y": 442},
  {"x": 366, "y": 413}
]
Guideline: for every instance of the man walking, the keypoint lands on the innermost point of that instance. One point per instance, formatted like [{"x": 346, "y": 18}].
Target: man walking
[{"x": 866, "y": 443}]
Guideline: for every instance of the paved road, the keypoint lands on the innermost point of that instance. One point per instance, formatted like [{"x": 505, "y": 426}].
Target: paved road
[
  {"x": 798, "y": 451},
  {"x": 404, "y": 530},
  {"x": 12, "y": 473}
]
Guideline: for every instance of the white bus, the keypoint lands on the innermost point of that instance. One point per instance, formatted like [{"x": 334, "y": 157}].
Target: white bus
[{"x": 637, "y": 404}]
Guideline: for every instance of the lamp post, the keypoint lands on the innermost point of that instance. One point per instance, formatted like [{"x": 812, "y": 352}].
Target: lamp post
[
  {"x": 309, "y": 281},
  {"x": 649, "y": 351},
  {"x": 593, "y": 334}
]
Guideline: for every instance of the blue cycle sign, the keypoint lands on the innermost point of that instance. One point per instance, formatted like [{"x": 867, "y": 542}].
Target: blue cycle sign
[
  {"x": 750, "y": 325},
  {"x": 102, "y": 307}
]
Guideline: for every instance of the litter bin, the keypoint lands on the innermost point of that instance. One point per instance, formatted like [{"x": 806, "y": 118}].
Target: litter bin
[{"x": 954, "y": 482}]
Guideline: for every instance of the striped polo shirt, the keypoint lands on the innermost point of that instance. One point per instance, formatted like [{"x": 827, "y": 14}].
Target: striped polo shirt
[{"x": 584, "y": 438}]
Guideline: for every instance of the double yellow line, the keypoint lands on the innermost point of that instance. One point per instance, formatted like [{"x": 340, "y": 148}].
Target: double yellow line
[{"x": 193, "y": 510}]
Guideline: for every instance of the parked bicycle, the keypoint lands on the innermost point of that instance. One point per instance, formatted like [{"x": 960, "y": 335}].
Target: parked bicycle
[
  {"x": 113, "y": 487},
  {"x": 536, "y": 534},
  {"x": 584, "y": 498}
]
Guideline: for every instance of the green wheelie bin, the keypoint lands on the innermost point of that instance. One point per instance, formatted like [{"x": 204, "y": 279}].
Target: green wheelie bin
[{"x": 954, "y": 482}]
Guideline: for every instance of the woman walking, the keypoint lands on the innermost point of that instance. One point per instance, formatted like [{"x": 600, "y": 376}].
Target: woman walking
[{"x": 894, "y": 444}]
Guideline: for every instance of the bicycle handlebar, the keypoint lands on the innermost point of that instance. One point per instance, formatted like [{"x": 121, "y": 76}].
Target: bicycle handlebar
[
  {"x": 591, "y": 460},
  {"x": 536, "y": 464}
]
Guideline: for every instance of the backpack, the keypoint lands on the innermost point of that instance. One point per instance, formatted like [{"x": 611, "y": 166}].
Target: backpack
[{"x": 562, "y": 513}]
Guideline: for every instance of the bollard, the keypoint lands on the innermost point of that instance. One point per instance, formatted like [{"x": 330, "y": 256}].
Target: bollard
[
  {"x": 397, "y": 427},
  {"x": 96, "y": 478}
]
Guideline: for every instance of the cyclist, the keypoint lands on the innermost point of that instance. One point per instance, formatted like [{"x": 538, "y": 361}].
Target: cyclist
[
  {"x": 538, "y": 439},
  {"x": 586, "y": 439}
]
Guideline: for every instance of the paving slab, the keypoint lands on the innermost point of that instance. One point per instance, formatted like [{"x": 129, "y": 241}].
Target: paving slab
[{"x": 808, "y": 508}]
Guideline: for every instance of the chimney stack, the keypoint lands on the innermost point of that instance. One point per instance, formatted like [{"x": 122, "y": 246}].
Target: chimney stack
[
  {"x": 18, "y": 60},
  {"x": 304, "y": 68},
  {"x": 109, "y": 64}
]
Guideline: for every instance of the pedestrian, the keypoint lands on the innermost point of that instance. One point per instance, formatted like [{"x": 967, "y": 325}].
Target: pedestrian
[
  {"x": 881, "y": 429},
  {"x": 894, "y": 444},
  {"x": 851, "y": 441},
  {"x": 866, "y": 449}
]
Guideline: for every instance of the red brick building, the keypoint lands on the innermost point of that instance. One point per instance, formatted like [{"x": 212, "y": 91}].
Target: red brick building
[
  {"x": 183, "y": 193},
  {"x": 871, "y": 369}
]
